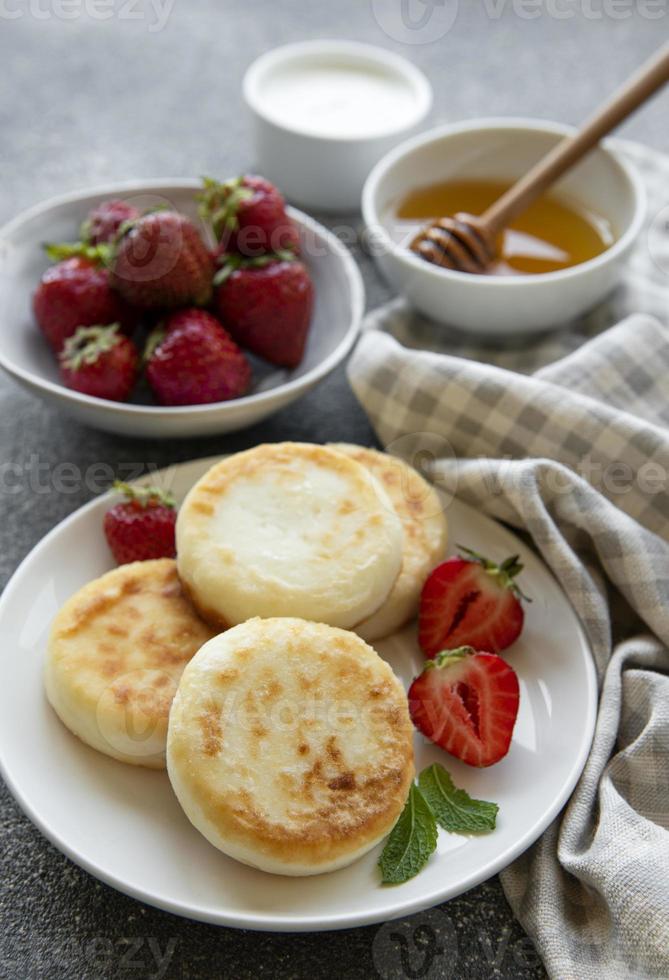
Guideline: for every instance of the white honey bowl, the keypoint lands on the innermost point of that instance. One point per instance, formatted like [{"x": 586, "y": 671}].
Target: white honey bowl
[{"x": 503, "y": 150}]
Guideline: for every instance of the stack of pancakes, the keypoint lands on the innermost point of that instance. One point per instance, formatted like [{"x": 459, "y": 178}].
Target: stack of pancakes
[{"x": 288, "y": 742}]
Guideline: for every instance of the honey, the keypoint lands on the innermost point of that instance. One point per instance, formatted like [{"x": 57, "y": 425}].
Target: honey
[{"x": 550, "y": 235}]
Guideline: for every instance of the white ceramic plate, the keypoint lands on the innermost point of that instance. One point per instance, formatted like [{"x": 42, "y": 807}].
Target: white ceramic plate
[
  {"x": 340, "y": 301},
  {"x": 123, "y": 824}
]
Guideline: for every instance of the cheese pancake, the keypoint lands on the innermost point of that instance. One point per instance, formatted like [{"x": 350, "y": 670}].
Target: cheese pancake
[
  {"x": 115, "y": 656},
  {"x": 290, "y": 745},
  {"x": 425, "y": 535},
  {"x": 288, "y": 529}
]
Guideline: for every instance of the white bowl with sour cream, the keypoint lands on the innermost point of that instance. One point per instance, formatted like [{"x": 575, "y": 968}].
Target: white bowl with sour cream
[{"x": 324, "y": 114}]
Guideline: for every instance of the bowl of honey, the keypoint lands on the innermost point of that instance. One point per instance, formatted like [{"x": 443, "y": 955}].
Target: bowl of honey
[{"x": 557, "y": 260}]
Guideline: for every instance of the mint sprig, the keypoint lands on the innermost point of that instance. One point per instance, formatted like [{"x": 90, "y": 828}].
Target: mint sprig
[
  {"x": 453, "y": 808},
  {"x": 435, "y": 800},
  {"x": 412, "y": 840}
]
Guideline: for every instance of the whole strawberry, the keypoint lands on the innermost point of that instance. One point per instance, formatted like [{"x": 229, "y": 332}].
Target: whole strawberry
[
  {"x": 248, "y": 215},
  {"x": 161, "y": 262},
  {"x": 99, "y": 361},
  {"x": 266, "y": 304},
  {"x": 77, "y": 293},
  {"x": 471, "y": 601},
  {"x": 466, "y": 701},
  {"x": 193, "y": 361},
  {"x": 105, "y": 219},
  {"x": 142, "y": 526}
]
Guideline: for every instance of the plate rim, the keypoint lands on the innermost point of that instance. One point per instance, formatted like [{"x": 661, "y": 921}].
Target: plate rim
[
  {"x": 264, "y": 922},
  {"x": 293, "y": 386}
]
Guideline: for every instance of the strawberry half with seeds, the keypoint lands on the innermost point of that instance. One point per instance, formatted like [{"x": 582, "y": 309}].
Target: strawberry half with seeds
[
  {"x": 466, "y": 702},
  {"x": 266, "y": 304},
  {"x": 104, "y": 221},
  {"x": 471, "y": 601},
  {"x": 160, "y": 262},
  {"x": 76, "y": 292},
  {"x": 193, "y": 361},
  {"x": 142, "y": 526},
  {"x": 248, "y": 215},
  {"x": 99, "y": 361}
]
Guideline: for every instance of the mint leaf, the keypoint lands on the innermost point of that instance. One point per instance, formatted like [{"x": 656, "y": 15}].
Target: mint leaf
[
  {"x": 454, "y": 808},
  {"x": 411, "y": 841}
]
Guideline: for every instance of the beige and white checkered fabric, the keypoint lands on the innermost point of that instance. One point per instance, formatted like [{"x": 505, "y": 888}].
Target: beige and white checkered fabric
[{"x": 567, "y": 439}]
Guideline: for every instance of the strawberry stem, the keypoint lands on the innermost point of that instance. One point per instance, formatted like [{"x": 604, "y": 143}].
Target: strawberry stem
[
  {"x": 219, "y": 203},
  {"x": 230, "y": 263},
  {"x": 87, "y": 344},
  {"x": 58, "y": 251},
  {"x": 153, "y": 341},
  {"x": 146, "y": 496},
  {"x": 504, "y": 574},
  {"x": 447, "y": 658}
]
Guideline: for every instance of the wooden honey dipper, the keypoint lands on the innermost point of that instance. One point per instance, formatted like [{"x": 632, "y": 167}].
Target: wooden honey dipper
[{"x": 467, "y": 243}]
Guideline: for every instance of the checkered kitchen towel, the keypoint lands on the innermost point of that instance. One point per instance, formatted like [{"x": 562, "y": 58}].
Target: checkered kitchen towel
[{"x": 575, "y": 452}]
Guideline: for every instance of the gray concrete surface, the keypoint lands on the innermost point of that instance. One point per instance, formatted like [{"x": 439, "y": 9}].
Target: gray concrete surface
[{"x": 85, "y": 100}]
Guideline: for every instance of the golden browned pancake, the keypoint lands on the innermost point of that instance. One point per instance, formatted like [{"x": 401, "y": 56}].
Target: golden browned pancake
[
  {"x": 290, "y": 745},
  {"x": 425, "y": 534},
  {"x": 288, "y": 529},
  {"x": 115, "y": 656}
]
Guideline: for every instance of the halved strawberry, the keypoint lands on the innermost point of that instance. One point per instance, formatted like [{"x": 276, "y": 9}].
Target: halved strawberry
[
  {"x": 467, "y": 703},
  {"x": 471, "y": 602}
]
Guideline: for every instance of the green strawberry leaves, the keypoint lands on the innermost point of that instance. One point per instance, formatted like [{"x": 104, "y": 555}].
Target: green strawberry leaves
[
  {"x": 219, "y": 203},
  {"x": 435, "y": 800},
  {"x": 229, "y": 263},
  {"x": 88, "y": 344},
  {"x": 145, "y": 496},
  {"x": 411, "y": 842},
  {"x": 504, "y": 574},
  {"x": 99, "y": 254},
  {"x": 453, "y": 808}
]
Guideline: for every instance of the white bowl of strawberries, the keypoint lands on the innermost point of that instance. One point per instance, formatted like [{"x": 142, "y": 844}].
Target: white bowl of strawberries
[{"x": 173, "y": 309}]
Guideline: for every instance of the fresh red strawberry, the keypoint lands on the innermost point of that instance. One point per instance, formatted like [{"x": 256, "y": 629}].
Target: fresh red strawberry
[
  {"x": 193, "y": 360},
  {"x": 161, "y": 262},
  {"x": 99, "y": 361},
  {"x": 266, "y": 305},
  {"x": 467, "y": 702},
  {"x": 105, "y": 219},
  {"x": 471, "y": 602},
  {"x": 76, "y": 293},
  {"x": 248, "y": 215},
  {"x": 142, "y": 527}
]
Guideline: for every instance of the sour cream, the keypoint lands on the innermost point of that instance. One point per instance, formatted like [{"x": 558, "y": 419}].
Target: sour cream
[
  {"x": 341, "y": 100},
  {"x": 325, "y": 112}
]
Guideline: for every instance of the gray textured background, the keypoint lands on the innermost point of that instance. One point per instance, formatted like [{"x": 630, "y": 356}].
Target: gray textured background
[{"x": 84, "y": 101}]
